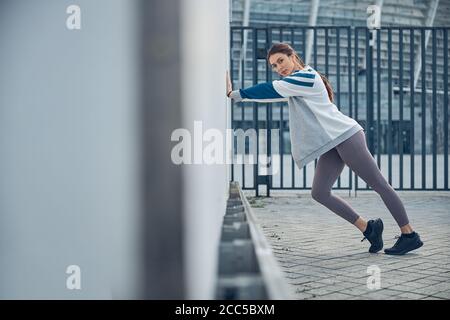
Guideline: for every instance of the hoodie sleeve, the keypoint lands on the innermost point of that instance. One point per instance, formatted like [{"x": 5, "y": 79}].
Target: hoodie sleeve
[{"x": 297, "y": 84}]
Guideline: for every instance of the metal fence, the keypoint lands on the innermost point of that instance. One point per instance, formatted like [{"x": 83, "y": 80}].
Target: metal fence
[{"x": 393, "y": 81}]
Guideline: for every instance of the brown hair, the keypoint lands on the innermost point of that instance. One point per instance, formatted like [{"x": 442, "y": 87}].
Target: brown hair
[{"x": 288, "y": 50}]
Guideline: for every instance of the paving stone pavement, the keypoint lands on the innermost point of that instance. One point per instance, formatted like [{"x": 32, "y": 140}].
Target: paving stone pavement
[{"x": 322, "y": 256}]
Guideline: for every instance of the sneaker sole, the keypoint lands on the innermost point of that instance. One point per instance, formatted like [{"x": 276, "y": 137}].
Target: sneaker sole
[
  {"x": 371, "y": 250},
  {"x": 418, "y": 245}
]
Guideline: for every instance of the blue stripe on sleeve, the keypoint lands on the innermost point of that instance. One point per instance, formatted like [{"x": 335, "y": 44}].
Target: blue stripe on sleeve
[
  {"x": 300, "y": 83},
  {"x": 304, "y": 75},
  {"x": 260, "y": 91}
]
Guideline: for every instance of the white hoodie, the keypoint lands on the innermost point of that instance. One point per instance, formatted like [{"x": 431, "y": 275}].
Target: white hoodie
[{"x": 316, "y": 125}]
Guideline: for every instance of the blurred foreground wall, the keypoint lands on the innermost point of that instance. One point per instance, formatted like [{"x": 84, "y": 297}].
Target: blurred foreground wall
[{"x": 87, "y": 186}]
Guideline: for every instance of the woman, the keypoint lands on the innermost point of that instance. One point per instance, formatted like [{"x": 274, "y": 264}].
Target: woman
[{"x": 318, "y": 128}]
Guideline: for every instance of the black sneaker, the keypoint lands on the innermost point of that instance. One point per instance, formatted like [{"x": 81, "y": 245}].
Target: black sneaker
[
  {"x": 373, "y": 233},
  {"x": 405, "y": 244}
]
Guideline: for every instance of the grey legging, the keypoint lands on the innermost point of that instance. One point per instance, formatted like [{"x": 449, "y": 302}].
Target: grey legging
[{"x": 354, "y": 153}]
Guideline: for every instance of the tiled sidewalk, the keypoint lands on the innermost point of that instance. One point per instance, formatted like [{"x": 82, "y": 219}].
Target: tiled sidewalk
[{"x": 322, "y": 256}]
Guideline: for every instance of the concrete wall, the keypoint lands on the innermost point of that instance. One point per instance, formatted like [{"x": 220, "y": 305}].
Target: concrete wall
[
  {"x": 85, "y": 123},
  {"x": 205, "y": 56},
  {"x": 68, "y": 145}
]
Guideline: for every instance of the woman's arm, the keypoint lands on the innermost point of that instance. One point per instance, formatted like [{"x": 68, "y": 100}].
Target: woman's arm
[
  {"x": 258, "y": 93},
  {"x": 297, "y": 84}
]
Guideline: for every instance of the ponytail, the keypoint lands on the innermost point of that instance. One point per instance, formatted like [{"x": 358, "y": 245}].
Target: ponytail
[{"x": 327, "y": 86}]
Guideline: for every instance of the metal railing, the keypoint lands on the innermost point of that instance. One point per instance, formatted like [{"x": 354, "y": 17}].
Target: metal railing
[{"x": 390, "y": 80}]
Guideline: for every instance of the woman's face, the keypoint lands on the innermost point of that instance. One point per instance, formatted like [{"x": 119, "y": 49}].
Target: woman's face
[{"x": 283, "y": 64}]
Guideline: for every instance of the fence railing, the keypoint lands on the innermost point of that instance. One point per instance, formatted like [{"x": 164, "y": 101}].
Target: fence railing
[{"x": 392, "y": 80}]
